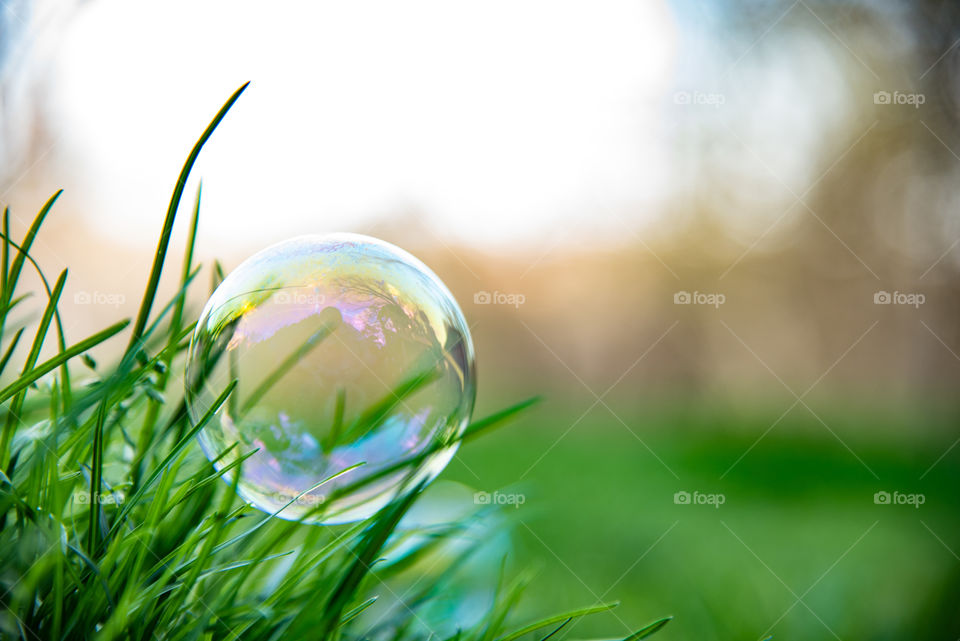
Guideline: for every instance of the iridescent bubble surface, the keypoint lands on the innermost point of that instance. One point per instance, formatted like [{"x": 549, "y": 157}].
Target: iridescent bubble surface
[{"x": 348, "y": 351}]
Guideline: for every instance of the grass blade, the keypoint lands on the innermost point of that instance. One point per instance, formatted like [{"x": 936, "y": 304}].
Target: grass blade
[
  {"x": 96, "y": 476},
  {"x": 13, "y": 275},
  {"x": 163, "y": 244},
  {"x": 177, "y": 449},
  {"x": 289, "y": 363},
  {"x": 28, "y": 378},
  {"x": 13, "y": 417},
  {"x": 648, "y": 630},
  {"x": 10, "y": 348},
  {"x": 557, "y": 618},
  {"x": 364, "y": 556}
]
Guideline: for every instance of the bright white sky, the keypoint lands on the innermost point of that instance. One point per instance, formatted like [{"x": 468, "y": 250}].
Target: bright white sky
[{"x": 498, "y": 120}]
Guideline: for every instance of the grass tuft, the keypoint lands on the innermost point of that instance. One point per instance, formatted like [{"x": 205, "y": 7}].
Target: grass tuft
[{"x": 112, "y": 526}]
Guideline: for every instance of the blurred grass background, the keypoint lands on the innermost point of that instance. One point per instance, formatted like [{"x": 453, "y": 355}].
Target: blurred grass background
[
  {"x": 799, "y": 522},
  {"x": 596, "y": 159}
]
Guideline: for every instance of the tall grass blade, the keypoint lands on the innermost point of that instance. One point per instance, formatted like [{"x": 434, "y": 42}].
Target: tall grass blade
[{"x": 162, "y": 245}]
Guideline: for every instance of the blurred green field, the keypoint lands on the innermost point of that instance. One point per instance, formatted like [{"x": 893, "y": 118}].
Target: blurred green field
[{"x": 798, "y": 550}]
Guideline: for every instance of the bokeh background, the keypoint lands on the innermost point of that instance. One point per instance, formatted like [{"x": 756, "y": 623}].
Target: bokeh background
[{"x": 721, "y": 239}]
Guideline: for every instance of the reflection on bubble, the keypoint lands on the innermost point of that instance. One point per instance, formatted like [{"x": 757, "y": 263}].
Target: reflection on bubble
[{"x": 348, "y": 351}]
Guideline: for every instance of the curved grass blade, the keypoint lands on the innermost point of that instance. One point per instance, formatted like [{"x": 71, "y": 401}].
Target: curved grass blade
[
  {"x": 648, "y": 630},
  {"x": 557, "y": 629},
  {"x": 267, "y": 518},
  {"x": 13, "y": 417},
  {"x": 557, "y": 618},
  {"x": 10, "y": 348},
  {"x": 13, "y": 275},
  {"x": 24, "y": 381},
  {"x": 502, "y": 608},
  {"x": 163, "y": 244},
  {"x": 354, "y": 613}
]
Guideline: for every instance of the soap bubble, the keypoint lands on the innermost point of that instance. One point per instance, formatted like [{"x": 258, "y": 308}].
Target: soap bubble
[{"x": 352, "y": 361}]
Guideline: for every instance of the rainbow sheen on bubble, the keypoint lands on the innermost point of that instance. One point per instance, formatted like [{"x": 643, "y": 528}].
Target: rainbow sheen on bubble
[{"x": 347, "y": 351}]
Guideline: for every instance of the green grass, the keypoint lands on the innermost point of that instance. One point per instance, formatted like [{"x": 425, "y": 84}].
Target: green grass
[
  {"x": 599, "y": 517},
  {"x": 114, "y": 526}
]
